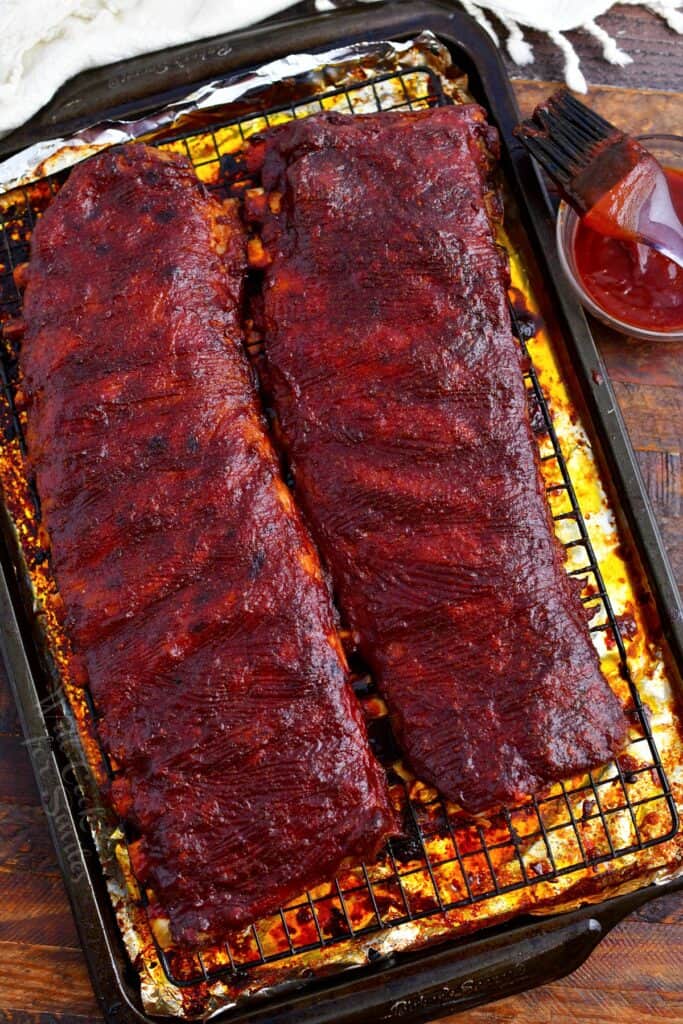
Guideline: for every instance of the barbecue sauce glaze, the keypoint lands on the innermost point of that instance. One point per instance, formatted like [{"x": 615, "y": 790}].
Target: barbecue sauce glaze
[
  {"x": 397, "y": 383},
  {"x": 193, "y": 598},
  {"x": 629, "y": 281}
]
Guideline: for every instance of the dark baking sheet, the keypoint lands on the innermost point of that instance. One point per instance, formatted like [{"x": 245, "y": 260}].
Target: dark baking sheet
[{"x": 416, "y": 986}]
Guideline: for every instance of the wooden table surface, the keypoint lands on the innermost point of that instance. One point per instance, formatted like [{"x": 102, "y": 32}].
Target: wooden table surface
[{"x": 636, "y": 973}]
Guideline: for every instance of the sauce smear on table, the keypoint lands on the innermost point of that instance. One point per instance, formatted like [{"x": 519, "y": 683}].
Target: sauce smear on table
[{"x": 633, "y": 282}]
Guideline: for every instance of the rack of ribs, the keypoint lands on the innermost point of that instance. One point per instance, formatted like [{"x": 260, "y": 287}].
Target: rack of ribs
[
  {"x": 194, "y": 599},
  {"x": 398, "y": 388}
]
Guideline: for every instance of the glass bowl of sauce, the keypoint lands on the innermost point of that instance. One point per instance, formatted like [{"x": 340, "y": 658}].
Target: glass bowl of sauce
[{"x": 626, "y": 285}]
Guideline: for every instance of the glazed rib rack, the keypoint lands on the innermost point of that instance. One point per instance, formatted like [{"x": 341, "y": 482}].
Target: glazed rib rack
[{"x": 445, "y": 862}]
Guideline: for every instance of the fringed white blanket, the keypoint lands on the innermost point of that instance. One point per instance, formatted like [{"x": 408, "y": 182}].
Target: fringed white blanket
[
  {"x": 45, "y": 42},
  {"x": 554, "y": 17}
]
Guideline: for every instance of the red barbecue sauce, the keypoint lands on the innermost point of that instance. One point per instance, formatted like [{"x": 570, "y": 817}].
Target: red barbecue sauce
[{"x": 632, "y": 282}]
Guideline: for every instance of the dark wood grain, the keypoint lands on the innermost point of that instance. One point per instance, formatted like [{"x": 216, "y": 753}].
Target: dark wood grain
[
  {"x": 656, "y": 50},
  {"x": 635, "y": 974},
  {"x": 45, "y": 981},
  {"x": 28, "y": 1017},
  {"x": 639, "y": 112},
  {"x": 25, "y": 844},
  {"x": 33, "y": 910},
  {"x": 653, "y": 416},
  {"x": 16, "y": 780},
  {"x": 640, "y": 362}
]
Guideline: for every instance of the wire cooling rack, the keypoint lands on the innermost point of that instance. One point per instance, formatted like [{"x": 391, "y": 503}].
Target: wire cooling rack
[{"x": 445, "y": 861}]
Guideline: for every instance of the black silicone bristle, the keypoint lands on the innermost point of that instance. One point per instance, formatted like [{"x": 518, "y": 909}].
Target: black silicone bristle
[{"x": 563, "y": 135}]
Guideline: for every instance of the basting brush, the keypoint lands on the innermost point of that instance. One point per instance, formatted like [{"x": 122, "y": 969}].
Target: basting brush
[{"x": 613, "y": 183}]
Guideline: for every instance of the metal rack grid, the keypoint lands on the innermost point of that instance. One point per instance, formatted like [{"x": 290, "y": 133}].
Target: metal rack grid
[{"x": 445, "y": 861}]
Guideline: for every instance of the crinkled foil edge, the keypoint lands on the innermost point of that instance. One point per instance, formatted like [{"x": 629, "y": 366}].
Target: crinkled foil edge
[{"x": 215, "y": 99}]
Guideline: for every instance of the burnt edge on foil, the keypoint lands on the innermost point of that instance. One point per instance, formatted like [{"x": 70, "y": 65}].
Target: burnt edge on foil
[{"x": 231, "y": 97}]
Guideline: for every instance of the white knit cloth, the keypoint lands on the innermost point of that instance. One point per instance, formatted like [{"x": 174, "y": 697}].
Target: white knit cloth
[
  {"x": 45, "y": 42},
  {"x": 557, "y": 16}
]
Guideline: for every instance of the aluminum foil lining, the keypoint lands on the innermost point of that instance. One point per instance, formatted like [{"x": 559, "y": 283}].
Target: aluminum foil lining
[{"x": 215, "y": 101}]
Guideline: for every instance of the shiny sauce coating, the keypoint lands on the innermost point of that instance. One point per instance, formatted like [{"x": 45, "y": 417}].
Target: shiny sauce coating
[
  {"x": 631, "y": 281},
  {"x": 193, "y": 597},
  {"x": 397, "y": 382}
]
